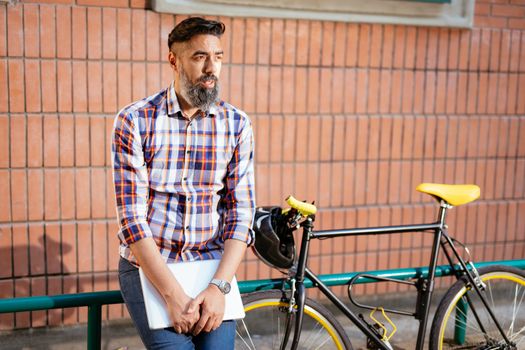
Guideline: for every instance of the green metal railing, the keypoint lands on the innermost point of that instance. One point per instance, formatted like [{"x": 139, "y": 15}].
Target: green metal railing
[{"x": 95, "y": 300}]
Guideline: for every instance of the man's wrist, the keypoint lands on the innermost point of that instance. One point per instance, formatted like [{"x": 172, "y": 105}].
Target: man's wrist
[{"x": 222, "y": 285}]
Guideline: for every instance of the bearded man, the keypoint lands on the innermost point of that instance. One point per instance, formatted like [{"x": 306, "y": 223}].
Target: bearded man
[{"x": 184, "y": 185}]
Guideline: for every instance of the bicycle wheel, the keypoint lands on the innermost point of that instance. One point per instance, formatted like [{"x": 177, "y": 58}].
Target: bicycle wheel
[
  {"x": 266, "y": 314},
  {"x": 455, "y": 325}
]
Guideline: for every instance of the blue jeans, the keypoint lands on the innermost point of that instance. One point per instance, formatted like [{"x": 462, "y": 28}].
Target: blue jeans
[{"x": 221, "y": 338}]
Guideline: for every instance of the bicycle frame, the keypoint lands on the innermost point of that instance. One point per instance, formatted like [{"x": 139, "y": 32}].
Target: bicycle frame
[{"x": 424, "y": 289}]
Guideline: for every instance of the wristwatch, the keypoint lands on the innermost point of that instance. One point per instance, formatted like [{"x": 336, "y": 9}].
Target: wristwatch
[{"x": 224, "y": 286}]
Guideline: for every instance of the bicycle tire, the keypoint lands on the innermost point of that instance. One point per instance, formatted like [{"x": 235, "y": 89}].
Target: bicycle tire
[
  {"x": 262, "y": 328},
  {"x": 455, "y": 326}
]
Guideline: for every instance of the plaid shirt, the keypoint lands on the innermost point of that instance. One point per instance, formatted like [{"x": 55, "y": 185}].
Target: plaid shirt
[{"x": 189, "y": 184}]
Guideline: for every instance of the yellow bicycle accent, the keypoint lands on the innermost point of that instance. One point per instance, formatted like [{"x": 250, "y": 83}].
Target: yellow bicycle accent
[
  {"x": 310, "y": 312},
  {"x": 394, "y": 328},
  {"x": 452, "y": 194},
  {"x": 304, "y": 208}
]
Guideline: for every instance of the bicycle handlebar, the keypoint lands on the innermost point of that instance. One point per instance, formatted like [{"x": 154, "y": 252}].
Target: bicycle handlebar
[{"x": 305, "y": 209}]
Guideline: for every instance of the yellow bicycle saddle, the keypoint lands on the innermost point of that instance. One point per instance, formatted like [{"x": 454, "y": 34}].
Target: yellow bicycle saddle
[{"x": 452, "y": 194}]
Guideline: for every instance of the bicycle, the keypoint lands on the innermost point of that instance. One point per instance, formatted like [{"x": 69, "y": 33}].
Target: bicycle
[{"x": 483, "y": 309}]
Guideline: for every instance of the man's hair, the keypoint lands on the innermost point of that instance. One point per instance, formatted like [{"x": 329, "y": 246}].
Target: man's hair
[{"x": 192, "y": 26}]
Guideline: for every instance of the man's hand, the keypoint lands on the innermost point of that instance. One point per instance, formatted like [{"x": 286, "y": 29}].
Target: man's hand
[
  {"x": 183, "y": 315},
  {"x": 211, "y": 302}
]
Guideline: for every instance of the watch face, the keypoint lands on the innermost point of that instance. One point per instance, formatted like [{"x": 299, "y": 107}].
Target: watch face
[{"x": 226, "y": 287}]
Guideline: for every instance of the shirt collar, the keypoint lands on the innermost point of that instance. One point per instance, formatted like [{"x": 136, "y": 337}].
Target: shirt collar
[{"x": 173, "y": 103}]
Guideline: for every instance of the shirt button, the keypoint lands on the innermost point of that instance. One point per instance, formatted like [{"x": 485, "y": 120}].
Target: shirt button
[
  {"x": 188, "y": 152},
  {"x": 184, "y": 178},
  {"x": 188, "y": 199},
  {"x": 187, "y": 228}
]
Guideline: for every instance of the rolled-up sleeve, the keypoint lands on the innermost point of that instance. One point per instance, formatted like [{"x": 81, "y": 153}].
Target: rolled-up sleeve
[
  {"x": 130, "y": 177},
  {"x": 240, "y": 195}
]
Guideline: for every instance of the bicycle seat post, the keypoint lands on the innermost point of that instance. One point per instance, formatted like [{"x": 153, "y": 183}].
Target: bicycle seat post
[{"x": 299, "y": 277}]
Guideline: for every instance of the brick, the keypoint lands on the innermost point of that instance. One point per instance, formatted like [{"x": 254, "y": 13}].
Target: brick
[
  {"x": 35, "y": 192},
  {"x": 373, "y": 91},
  {"x": 443, "y": 45},
  {"x": 15, "y": 31},
  {"x": 464, "y": 47},
  {"x": 277, "y": 40},
  {"x": 31, "y": 25},
  {"x": 66, "y": 140},
  {"x": 143, "y": 4},
  {"x": 95, "y": 87},
  {"x": 47, "y": 32},
  {"x": 338, "y": 87},
  {"x": 312, "y": 97},
  {"x": 123, "y": 34},
  {"x": 48, "y": 72},
  {"x": 275, "y": 102},
  {"x": 451, "y": 92},
  {"x": 276, "y": 138},
  {"x": 421, "y": 47},
  {"x": 110, "y": 3},
  {"x": 508, "y": 10},
  {"x": 472, "y": 93},
  {"x": 98, "y": 193},
  {"x": 51, "y": 194},
  {"x": 483, "y": 85},
  {"x": 264, "y": 42},
  {"x": 64, "y": 82},
  {"x": 109, "y": 34},
  {"x": 396, "y": 94},
  {"x": 123, "y": 84},
  {"x": 138, "y": 77},
  {"x": 350, "y": 91},
  {"x": 83, "y": 194},
  {"x": 80, "y": 94},
  {"x": 374, "y": 40},
  {"x": 3, "y": 32},
  {"x": 502, "y": 87},
  {"x": 94, "y": 33},
  {"x": 516, "y": 23},
  {"x": 153, "y": 49},
  {"x": 325, "y": 90},
  {"x": 79, "y": 29},
  {"x": 408, "y": 92},
  {"x": 18, "y": 134},
  {"x": 67, "y": 194},
  {"x": 16, "y": 86},
  {"x": 4, "y": 98},
  {"x": 492, "y": 93},
  {"x": 82, "y": 144},
  {"x": 490, "y": 22},
  {"x": 399, "y": 46},
  {"x": 51, "y": 140},
  {"x": 432, "y": 48},
  {"x": 315, "y": 44},
  {"x": 482, "y": 9},
  {"x": 387, "y": 46},
  {"x": 138, "y": 35},
  {"x": 34, "y": 141},
  {"x": 410, "y": 47},
  {"x": 339, "y": 44},
  {"x": 250, "y": 41},
  {"x": 352, "y": 36},
  {"x": 512, "y": 94},
  {"x": 64, "y": 30},
  {"x": 238, "y": 33},
  {"x": 495, "y": 42},
  {"x": 19, "y": 197},
  {"x": 314, "y": 130},
  {"x": 384, "y": 93},
  {"x": 361, "y": 94},
  {"x": 5, "y": 192},
  {"x": 32, "y": 85},
  {"x": 4, "y": 141},
  {"x": 300, "y": 91},
  {"x": 514, "y": 56}
]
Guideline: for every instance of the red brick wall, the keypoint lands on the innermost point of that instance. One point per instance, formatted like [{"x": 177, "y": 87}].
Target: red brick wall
[{"x": 353, "y": 116}]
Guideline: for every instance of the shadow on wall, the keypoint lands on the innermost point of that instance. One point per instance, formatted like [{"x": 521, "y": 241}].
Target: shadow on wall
[{"x": 29, "y": 265}]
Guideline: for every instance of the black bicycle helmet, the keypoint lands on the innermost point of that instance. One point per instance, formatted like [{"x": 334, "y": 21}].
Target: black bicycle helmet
[{"x": 274, "y": 243}]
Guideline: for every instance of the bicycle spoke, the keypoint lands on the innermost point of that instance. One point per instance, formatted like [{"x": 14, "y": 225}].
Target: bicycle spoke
[{"x": 249, "y": 336}]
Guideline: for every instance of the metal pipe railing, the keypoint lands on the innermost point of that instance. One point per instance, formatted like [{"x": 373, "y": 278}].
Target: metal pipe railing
[{"x": 95, "y": 300}]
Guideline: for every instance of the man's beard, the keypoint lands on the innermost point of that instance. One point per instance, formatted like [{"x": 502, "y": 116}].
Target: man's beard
[{"x": 198, "y": 95}]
